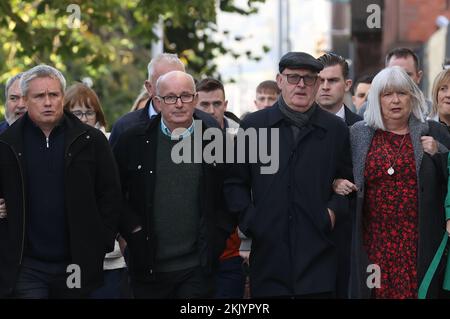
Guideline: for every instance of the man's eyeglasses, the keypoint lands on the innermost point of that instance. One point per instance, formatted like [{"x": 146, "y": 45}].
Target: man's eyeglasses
[
  {"x": 172, "y": 99},
  {"x": 295, "y": 79},
  {"x": 89, "y": 114}
]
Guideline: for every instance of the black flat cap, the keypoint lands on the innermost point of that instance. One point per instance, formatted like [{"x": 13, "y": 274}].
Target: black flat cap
[{"x": 299, "y": 60}]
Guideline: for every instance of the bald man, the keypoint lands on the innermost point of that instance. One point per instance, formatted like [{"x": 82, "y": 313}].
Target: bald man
[{"x": 175, "y": 223}]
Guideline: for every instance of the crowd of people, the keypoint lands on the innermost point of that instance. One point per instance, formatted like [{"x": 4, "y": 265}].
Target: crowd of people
[{"x": 356, "y": 187}]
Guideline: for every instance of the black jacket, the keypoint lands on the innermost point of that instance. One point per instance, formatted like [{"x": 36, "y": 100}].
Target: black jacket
[
  {"x": 135, "y": 153},
  {"x": 92, "y": 198},
  {"x": 350, "y": 117},
  {"x": 285, "y": 213}
]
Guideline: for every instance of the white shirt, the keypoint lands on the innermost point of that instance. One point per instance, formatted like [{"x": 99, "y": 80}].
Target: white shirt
[{"x": 341, "y": 112}]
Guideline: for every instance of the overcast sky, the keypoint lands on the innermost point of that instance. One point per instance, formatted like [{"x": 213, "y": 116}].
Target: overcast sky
[{"x": 309, "y": 23}]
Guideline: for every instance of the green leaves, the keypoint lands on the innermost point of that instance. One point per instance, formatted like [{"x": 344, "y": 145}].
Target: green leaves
[{"x": 110, "y": 40}]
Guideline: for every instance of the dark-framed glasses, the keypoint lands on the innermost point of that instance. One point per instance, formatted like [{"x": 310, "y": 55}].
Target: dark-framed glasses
[
  {"x": 172, "y": 99},
  {"x": 89, "y": 114},
  {"x": 294, "y": 78}
]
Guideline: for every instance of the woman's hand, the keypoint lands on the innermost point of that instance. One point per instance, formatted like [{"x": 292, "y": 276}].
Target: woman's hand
[
  {"x": 429, "y": 145},
  {"x": 343, "y": 186}
]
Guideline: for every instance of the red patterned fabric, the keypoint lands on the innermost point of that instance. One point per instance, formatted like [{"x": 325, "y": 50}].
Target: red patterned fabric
[
  {"x": 232, "y": 246},
  {"x": 391, "y": 214}
]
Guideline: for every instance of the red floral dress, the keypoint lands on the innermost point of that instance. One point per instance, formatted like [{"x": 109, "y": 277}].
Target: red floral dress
[{"x": 390, "y": 214}]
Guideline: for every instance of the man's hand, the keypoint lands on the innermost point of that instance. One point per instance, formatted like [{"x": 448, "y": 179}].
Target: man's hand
[
  {"x": 245, "y": 254},
  {"x": 448, "y": 227},
  {"x": 3, "y": 213},
  {"x": 122, "y": 244},
  {"x": 429, "y": 145},
  {"x": 332, "y": 218},
  {"x": 343, "y": 187}
]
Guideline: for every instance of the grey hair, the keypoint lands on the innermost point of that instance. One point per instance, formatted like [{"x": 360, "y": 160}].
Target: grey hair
[
  {"x": 392, "y": 79},
  {"x": 168, "y": 58},
  {"x": 179, "y": 73},
  {"x": 10, "y": 82},
  {"x": 41, "y": 71}
]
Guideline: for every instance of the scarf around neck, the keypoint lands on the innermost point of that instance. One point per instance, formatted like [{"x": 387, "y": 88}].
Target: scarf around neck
[{"x": 298, "y": 119}]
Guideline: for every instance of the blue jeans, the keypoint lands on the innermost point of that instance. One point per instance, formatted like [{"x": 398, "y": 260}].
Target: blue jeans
[{"x": 43, "y": 280}]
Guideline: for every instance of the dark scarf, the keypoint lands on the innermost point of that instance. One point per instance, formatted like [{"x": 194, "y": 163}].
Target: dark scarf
[{"x": 297, "y": 119}]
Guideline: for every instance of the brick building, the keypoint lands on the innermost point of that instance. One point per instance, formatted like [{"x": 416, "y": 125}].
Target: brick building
[{"x": 407, "y": 23}]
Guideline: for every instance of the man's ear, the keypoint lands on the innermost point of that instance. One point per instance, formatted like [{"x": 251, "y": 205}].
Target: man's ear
[
  {"x": 195, "y": 102},
  {"x": 148, "y": 87},
  {"x": 420, "y": 74},
  {"x": 156, "y": 103},
  {"x": 279, "y": 79},
  {"x": 348, "y": 84}
]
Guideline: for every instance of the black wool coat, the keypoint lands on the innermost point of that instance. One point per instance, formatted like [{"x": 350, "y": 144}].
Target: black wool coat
[{"x": 285, "y": 213}]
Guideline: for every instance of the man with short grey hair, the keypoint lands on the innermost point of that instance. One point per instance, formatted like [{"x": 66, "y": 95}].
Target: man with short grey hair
[
  {"x": 161, "y": 64},
  {"x": 62, "y": 193},
  {"x": 14, "y": 106}
]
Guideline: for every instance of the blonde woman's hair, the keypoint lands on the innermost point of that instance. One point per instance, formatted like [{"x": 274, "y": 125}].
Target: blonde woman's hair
[{"x": 442, "y": 78}]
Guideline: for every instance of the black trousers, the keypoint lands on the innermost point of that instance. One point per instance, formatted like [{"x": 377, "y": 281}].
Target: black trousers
[{"x": 183, "y": 284}]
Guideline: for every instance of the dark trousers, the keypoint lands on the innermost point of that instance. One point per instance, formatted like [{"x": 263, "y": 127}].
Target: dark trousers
[
  {"x": 230, "y": 279},
  {"x": 116, "y": 285},
  {"x": 44, "y": 280},
  {"x": 183, "y": 284}
]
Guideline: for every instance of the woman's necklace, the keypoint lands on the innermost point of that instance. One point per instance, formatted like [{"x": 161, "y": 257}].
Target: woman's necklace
[{"x": 391, "y": 170}]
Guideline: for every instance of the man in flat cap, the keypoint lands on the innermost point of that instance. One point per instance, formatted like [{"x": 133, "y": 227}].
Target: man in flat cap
[{"x": 290, "y": 214}]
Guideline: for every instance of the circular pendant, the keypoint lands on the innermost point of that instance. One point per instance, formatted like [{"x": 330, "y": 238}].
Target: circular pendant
[{"x": 390, "y": 170}]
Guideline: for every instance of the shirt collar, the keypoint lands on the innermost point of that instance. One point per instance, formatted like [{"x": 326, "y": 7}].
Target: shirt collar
[
  {"x": 151, "y": 110},
  {"x": 166, "y": 131},
  {"x": 341, "y": 112}
]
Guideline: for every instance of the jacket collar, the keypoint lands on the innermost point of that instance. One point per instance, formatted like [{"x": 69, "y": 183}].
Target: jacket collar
[
  {"x": 351, "y": 117},
  {"x": 14, "y": 135},
  {"x": 144, "y": 115},
  {"x": 156, "y": 122}
]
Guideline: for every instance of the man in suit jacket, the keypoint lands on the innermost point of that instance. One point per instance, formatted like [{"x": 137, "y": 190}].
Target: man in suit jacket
[
  {"x": 159, "y": 65},
  {"x": 334, "y": 83}
]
